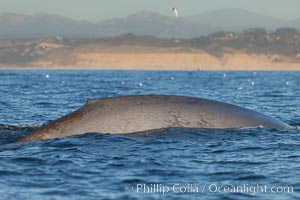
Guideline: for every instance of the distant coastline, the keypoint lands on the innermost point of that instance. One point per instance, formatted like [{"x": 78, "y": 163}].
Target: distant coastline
[
  {"x": 251, "y": 50},
  {"x": 165, "y": 61}
]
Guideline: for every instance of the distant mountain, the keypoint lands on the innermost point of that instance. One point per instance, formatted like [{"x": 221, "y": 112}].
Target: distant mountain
[
  {"x": 294, "y": 23},
  {"x": 151, "y": 23},
  {"x": 142, "y": 23},
  {"x": 237, "y": 20},
  {"x": 42, "y": 25}
]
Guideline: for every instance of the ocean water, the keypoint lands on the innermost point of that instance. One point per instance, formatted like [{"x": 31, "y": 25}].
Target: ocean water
[{"x": 168, "y": 164}]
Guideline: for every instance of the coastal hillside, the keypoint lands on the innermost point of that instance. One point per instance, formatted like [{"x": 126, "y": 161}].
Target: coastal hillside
[{"x": 251, "y": 49}]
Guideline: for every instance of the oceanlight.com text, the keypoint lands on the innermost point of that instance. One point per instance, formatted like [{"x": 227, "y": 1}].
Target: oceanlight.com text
[{"x": 214, "y": 188}]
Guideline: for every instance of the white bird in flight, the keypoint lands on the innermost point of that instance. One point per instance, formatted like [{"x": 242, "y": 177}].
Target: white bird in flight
[{"x": 175, "y": 11}]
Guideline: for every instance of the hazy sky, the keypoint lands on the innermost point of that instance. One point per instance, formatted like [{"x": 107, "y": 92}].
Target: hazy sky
[{"x": 97, "y": 10}]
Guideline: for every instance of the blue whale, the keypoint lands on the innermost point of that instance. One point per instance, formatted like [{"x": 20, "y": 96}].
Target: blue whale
[{"x": 130, "y": 114}]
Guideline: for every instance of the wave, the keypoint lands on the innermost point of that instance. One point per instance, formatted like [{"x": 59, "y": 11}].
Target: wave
[{"x": 10, "y": 133}]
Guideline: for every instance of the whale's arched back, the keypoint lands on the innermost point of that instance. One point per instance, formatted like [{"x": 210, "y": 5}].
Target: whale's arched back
[{"x": 129, "y": 114}]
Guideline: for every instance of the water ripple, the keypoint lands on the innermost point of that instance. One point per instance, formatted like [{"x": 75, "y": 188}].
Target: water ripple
[{"x": 94, "y": 166}]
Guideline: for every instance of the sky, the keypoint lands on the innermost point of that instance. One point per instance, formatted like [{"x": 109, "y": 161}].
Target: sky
[{"x": 98, "y": 10}]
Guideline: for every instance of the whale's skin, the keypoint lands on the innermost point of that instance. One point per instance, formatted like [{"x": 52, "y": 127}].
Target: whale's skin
[{"x": 130, "y": 114}]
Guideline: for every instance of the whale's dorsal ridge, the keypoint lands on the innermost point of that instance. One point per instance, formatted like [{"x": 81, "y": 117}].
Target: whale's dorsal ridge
[
  {"x": 131, "y": 114},
  {"x": 90, "y": 101}
]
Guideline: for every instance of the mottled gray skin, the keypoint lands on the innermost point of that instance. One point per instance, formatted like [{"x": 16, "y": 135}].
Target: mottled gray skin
[{"x": 121, "y": 115}]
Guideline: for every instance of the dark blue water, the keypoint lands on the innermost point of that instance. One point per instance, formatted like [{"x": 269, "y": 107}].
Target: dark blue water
[{"x": 171, "y": 164}]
